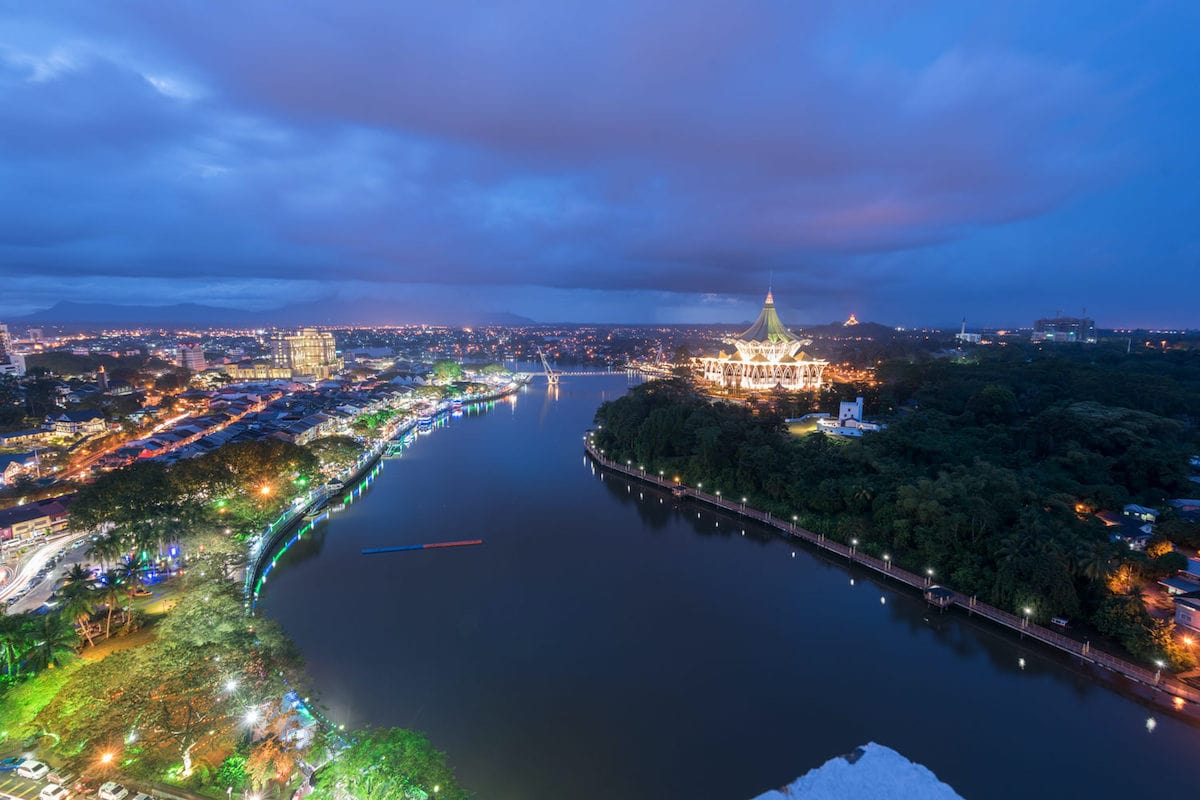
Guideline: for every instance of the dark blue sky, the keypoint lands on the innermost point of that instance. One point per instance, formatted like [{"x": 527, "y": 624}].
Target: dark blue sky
[{"x": 907, "y": 161}]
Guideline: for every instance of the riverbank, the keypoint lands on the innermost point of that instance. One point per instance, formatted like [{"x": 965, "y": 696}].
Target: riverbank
[
  {"x": 361, "y": 472},
  {"x": 1163, "y": 689}
]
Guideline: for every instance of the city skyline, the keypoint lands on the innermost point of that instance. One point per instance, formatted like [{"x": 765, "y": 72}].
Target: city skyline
[{"x": 619, "y": 164}]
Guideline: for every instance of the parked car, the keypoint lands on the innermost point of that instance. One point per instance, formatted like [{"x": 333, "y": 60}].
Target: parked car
[
  {"x": 54, "y": 792},
  {"x": 34, "y": 770},
  {"x": 9, "y": 764},
  {"x": 113, "y": 791},
  {"x": 144, "y": 796}
]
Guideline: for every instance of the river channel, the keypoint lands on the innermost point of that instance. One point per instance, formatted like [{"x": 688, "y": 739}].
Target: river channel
[{"x": 609, "y": 642}]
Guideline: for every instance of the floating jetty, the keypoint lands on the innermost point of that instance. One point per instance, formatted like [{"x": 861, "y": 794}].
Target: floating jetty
[{"x": 370, "y": 551}]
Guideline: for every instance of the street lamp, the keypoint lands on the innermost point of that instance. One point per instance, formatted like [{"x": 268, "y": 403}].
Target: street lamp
[
  {"x": 1028, "y": 613},
  {"x": 853, "y": 546},
  {"x": 231, "y": 685},
  {"x": 887, "y": 561},
  {"x": 1158, "y": 673},
  {"x": 929, "y": 575}
]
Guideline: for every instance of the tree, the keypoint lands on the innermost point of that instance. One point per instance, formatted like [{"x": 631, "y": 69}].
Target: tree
[
  {"x": 386, "y": 765},
  {"x": 110, "y": 596},
  {"x": 53, "y": 641},
  {"x": 79, "y": 609},
  {"x": 445, "y": 371},
  {"x": 335, "y": 452}
]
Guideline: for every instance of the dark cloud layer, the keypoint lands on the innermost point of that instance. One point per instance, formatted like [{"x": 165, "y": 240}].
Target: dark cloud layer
[{"x": 603, "y": 160}]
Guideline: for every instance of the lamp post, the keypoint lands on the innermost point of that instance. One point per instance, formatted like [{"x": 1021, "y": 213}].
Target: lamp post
[
  {"x": 1158, "y": 673},
  {"x": 928, "y": 576},
  {"x": 887, "y": 562},
  {"x": 743, "y": 504},
  {"x": 794, "y": 521},
  {"x": 853, "y": 547}
]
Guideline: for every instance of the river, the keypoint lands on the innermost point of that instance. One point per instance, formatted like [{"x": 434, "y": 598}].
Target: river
[{"x": 610, "y": 642}]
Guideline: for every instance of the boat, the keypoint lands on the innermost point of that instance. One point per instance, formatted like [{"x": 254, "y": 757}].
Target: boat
[{"x": 425, "y": 423}]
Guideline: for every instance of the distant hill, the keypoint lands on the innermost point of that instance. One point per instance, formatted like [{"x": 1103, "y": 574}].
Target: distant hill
[
  {"x": 870, "y": 330},
  {"x": 70, "y": 314}
]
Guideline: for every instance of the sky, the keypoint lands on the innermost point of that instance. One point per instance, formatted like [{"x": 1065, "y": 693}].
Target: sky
[{"x": 909, "y": 162}]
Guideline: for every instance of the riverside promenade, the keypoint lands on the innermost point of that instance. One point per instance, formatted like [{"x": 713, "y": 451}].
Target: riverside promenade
[{"x": 1151, "y": 679}]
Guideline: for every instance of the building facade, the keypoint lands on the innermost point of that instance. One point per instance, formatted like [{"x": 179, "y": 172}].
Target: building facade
[
  {"x": 1065, "y": 329},
  {"x": 191, "y": 357},
  {"x": 768, "y": 356},
  {"x": 305, "y": 353}
]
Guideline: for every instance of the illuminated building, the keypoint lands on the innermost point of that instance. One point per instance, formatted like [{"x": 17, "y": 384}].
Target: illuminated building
[
  {"x": 191, "y": 357},
  {"x": 306, "y": 353},
  {"x": 1064, "y": 329},
  {"x": 261, "y": 370},
  {"x": 849, "y": 421},
  {"x": 768, "y": 356},
  {"x": 850, "y": 323}
]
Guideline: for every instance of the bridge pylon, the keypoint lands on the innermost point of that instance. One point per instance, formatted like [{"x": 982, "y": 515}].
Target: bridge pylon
[{"x": 551, "y": 375}]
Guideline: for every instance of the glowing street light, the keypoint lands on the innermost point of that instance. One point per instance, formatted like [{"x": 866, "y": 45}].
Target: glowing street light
[
  {"x": 1158, "y": 673},
  {"x": 231, "y": 685},
  {"x": 106, "y": 758},
  {"x": 928, "y": 575},
  {"x": 252, "y": 716},
  {"x": 887, "y": 561},
  {"x": 853, "y": 546},
  {"x": 265, "y": 490}
]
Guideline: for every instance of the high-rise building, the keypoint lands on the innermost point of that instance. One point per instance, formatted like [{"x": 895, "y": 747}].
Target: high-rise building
[
  {"x": 191, "y": 357},
  {"x": 306, "y": 352},
  {"x": 1064, "y": 329},
  {"x": 10, "y": 363}
]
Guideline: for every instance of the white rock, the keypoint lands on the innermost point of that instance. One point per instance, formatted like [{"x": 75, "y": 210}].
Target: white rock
[{"x": 871, "y": 772}]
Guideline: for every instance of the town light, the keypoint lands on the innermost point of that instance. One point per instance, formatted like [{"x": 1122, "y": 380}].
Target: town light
[
  {"x": 265, "y": 490},
  {"x": 231, "y": 685},
  {"x": 252, "y": 716},
  {"x": 106, "y": 758}
]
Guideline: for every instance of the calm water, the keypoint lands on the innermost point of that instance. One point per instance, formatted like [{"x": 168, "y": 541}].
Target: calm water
[{"x": 608, "y": 643}]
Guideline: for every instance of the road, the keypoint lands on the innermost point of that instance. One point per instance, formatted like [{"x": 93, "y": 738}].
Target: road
[
  {"x": 14, "y": 787},
  {"x": 28, "y": 568}
]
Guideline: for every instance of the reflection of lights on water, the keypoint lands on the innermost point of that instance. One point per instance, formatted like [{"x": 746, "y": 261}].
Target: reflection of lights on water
[
  {"x": 883, "y": 601},
  {"x": 852, "y": 581},
  {"x": 1021, "y": 663},
  {"x": 1151, "y": 724},
  {"x": 1178, "y": 702}
]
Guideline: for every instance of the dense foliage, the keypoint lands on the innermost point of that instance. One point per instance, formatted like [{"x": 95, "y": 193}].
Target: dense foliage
[
  {"x": 981, "y": 476},
  {"x": 387, "y": 765}
]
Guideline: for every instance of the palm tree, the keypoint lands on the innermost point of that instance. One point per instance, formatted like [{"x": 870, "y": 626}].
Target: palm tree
[
  {"x": 110, "y": 595},
  {"x": 52, "y": 640},
  {"x": 79, "y": 609},
  {"x": 77, "y": 579},
  {"x": 14, "y": 641},
  {"x": 1095, "y": 562},
  {"x": 107, "y": 549}
]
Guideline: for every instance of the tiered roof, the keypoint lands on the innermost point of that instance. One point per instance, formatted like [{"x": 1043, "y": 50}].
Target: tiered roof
[{"x": 768, "y": 327}]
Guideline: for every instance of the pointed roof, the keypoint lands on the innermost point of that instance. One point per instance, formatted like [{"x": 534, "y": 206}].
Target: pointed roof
[{"x": 767, "y": 328}]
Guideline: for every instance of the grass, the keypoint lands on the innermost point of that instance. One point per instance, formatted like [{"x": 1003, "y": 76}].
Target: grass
[{"x": 20, "y": 704}]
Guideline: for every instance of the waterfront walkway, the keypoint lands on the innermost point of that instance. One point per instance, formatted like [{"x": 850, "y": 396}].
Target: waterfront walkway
[{"x": 1084, "y": 651}]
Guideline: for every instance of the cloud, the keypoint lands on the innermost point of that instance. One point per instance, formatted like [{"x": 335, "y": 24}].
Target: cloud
[{"x": 608, "y": 147}]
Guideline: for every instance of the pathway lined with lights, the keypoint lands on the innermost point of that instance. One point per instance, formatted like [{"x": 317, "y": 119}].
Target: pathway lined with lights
[{"x": 1023, "y": 625}]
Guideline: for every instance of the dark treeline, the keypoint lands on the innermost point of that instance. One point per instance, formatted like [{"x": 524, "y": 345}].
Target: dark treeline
[{"x": 981, "y": 475}]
